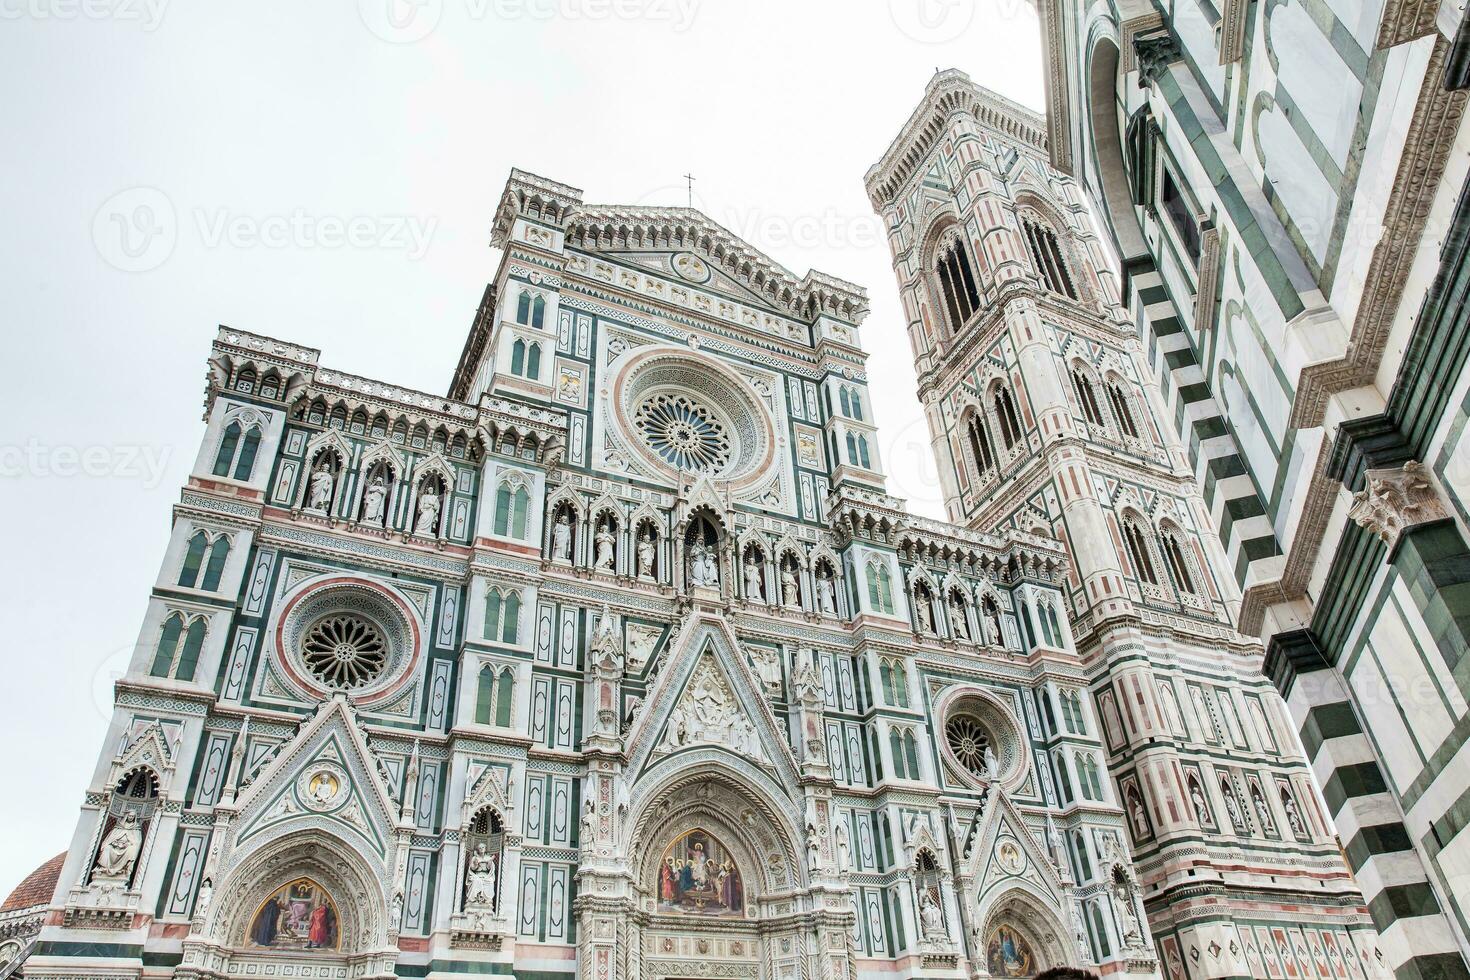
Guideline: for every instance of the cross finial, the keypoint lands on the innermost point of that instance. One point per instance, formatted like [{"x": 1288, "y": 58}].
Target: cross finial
[{"x": 690, "y": 179}]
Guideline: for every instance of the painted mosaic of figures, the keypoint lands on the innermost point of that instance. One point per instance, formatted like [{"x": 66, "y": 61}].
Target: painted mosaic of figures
[
  {"x": 1009, "y": 955},
  {"x": 697, "y": 874},
  {"x": 298, "y": 916}
]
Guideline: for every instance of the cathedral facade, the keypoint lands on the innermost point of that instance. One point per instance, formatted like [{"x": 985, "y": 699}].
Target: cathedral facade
[
  {"x": 1285, "y": 184},
  {"x": 617, "y": 661}
]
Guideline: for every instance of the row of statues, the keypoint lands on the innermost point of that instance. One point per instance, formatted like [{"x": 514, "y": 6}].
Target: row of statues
[{"x": 321, "y": 488}]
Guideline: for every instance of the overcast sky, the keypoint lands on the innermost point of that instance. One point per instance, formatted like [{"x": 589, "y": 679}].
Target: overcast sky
[{"x": 244, "y": 138}]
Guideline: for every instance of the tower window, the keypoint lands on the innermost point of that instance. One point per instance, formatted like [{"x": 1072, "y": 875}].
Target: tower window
[
  {"x": 1047, "y": 255},
  {"x": 957, "y": 283},
  {"x": 1122, "y": 409},
  {"x": 1087, "y": 396},
  {"x": 1139, "y": 553},
  {"x": 1178, "y": 565},
  {"x": 1005, "y": 411},
  {"x": 980, "y": 447}
]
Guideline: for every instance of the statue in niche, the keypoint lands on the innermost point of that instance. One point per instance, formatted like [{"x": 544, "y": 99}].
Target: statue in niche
[
  {"x": 754, "y": 587},
  {"x": 561, "y": 538},
  {"x": 992, "y": 764},
  {"x": 1135, "y": 812},
  {"x": 826, "y": 594},
  {"x": 1232, "y": 807},
  {"x": 322, "y": 482},
  {"x": 647, "y": 548},
  {"x": 703, "y": 565},
  {"x": 589, "y": 826},
  {"x": 790, "y": 594},
  {"x": 428, "y": 511},
  {"x": 844, "y": 847},
  {"x": 957, "y": 617},
  {"x": 813, "y": 849},
  {"x": 1200, "y": 809},
  {"x": 206, "y": 896},
  {"x": 118, "y": 855},
  {"x": 1125, "y": 899},
  {"x": 925, "y": 614},
  {"x": 604, "y": 547},
  {"x": 1263, "y": 813},
  {"x": 480, "y": 879},
  {"x": 1293, "y": 816},
  {"x": 374, "y": 499},
  {"x": 931, "y": 918}
]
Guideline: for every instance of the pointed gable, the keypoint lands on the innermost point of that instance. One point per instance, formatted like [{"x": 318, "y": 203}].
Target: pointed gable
[{"x": 326, "y": 776}]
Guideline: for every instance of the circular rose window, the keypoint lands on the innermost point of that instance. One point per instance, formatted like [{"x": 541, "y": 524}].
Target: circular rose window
[
  {"x": 345, "y": 651},
  {"x": 684, "y": 433},
  {"x": 968, "y": 740},
  {"x": 348, "y": 634},
  {"x": 682, "y": 412}
]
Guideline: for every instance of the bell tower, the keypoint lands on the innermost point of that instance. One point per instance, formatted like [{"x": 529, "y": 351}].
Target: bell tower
[{"x": 1041, "y": 420}]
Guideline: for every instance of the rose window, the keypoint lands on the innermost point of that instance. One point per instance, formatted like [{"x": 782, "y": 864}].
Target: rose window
[
  {"x": 345, "y": 651},
  {"x": 968, "y": 740},
  {"x": 684, "y": 433}
]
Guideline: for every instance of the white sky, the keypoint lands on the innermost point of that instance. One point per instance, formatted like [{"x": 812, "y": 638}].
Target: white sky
[{"x": 235, "y": 117}]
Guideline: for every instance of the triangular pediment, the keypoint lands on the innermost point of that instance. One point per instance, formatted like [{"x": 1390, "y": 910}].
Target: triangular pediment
[
  {"x": 325, "y": 777},
  {"x": 708, "y": 696},
  {"x": 1004, "y": 852}
]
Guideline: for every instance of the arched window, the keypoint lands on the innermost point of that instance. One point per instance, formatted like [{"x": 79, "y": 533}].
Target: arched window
[
  {"x": 1053, "y": 625},
  {"x": 504, "y": 695},
  {"x": 1098, "y": 929},
  {"x": 1122, "y": 408},
  {"x": 173, "y": 659},
  {"x": 1083, "y": 864},
  {"x": 226, "y": 453},
  {"x": 844, "y": 401},
  {"x": 270, "y": 385},
  {"x": 1178, "y": 565},
  {"x": 245, "y": 381},
  {"x": 852, "y": 456},
  {"x": 956, "y": 283},
  {"x": 1047, "y": 256},
  {"x": 1063, "y": 777},
  {"x": 523, "y": 307},
  {"x": 857, "y": 405},
  {"x": 1087, "y": 396},
  {"x": 538, "y": 312},
  {"x": 1138, "y": 552},
  {"x": 502, "y": 616},
  {"x": 1023, "y": 616},
  {"x": 980, "y": 447},
  {"x": 485, "y": 696},
  {"x": 193, "y": 560},
  {"x": 518, "y": 357},
  {"x": 245, "y": 465},
  {"x": 880, "y": 588},
  {"x": 863, "y": 459},
  {"x": 533, "y": 361},
  {"x": 168, "y": 645},
  {"x": 911, "y": 753},
  {"x": 218, "y": 552},
  {"x": 1005, "y": 413}
]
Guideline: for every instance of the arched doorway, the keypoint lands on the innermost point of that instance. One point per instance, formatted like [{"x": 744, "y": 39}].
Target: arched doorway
[
  {"x": 1021, "y": 937},
  {"x": 307, "y": 901}
]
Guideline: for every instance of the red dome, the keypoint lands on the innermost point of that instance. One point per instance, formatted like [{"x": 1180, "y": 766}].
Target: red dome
[{"x": 38, "y": 886}]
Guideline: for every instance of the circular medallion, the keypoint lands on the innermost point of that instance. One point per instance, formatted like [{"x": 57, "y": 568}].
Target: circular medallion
[
  {"x": 691, "y": 267},
  {"x": 684, "y": 433},
  {"x": 322, "y": 786}
]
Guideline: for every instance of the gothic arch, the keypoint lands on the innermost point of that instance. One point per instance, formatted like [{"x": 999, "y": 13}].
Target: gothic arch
[
  {"x": 338, "y": 868},
  {"x": 750, "y": 807},
  {"x": 1022, "y": 907}
]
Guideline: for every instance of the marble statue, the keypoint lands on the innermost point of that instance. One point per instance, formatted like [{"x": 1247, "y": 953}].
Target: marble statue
[
  {"x": 702, "y": 565},
  {"x": 322, "y": 482},
  {"x": 790, "y": 595},
  {"x": 813, "y": 849},
  {"x": 992, "y": 763},
  {"x": 931, "y": 918},
  {"x": 206, "y": 896},
  {"x": 374, "y": 498},
  {"x": 826, "y": 595},
  {"x": 428, "y": 512},
  {"x": 480, "y": 879},
  {"x": 1200, "y": 809},
  {"x": 118, "y": 854},
  {"x": 957, "y": 618},
  {"x": 925, "y": 614},
  {"x": 754, "y": 588},
  {"x": 604, "y": 548},
  {"x": 1293, "y": 817},
  {"x": 844, "y": 847},
  {"x": 647, "y": 548},
  {"x": 561, "y": 538},
  {"x": 589, "y": 826}
]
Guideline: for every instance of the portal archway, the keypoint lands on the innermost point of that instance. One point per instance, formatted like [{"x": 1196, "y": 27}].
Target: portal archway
[{"x": 1021, "y": 936}]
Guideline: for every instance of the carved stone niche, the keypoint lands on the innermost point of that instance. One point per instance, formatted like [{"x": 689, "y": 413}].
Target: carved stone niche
[{"x": 1396, "y": 499}]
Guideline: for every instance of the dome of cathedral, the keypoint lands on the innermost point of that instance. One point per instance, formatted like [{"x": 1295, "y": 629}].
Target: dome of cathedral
[{"x": 37, "y": 887}]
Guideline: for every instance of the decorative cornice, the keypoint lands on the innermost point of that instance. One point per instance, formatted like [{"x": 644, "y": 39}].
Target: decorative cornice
[
  {"x": 1232, "y": 30},
  {"x": 1397, "y": 499},
  {"x": 1129, "y": 31},
  {"x": 1406, "y": 20},
  {"x": 949, "y": 93}
]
